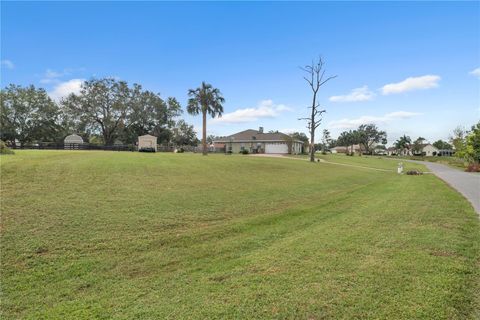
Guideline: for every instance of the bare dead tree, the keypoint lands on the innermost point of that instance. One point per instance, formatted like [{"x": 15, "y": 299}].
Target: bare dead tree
[{"x": 315, "y": 79}]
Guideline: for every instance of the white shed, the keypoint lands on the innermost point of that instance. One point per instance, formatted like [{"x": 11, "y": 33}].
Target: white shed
[
  {"x": 147, "y": 142},
  {"x": 72, "y": 141}
]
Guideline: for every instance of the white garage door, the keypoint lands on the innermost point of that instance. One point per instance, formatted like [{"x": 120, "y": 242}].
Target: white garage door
[{"x": 276, "y": 148}]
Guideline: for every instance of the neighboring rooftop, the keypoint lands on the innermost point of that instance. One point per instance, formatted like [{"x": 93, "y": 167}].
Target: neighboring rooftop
[{"x": 254, "y": 135}]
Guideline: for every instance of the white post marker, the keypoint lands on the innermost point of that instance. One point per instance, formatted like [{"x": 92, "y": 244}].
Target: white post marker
[{"x": 400, "y": 168}]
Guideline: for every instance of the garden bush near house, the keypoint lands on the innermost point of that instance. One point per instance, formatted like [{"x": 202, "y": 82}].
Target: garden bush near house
[
  {"x": 4, "y": 149},
  {"x": 147, "y": 150},
  {"x": 244, "y": 151}
]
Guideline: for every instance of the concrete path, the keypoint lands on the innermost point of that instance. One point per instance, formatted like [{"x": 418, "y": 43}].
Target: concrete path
[{"x": 467, "y": 183}]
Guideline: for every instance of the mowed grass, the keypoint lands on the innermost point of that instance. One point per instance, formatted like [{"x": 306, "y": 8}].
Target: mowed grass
[
  {"x": 101, "y": 235},
  {"x": 377, "y": 162}
]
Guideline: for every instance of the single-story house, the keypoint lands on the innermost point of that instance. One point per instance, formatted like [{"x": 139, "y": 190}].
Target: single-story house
[
  {"x": 338, "y": 149},
  {"x": 446, "y": 153},
  {"x": 147, "y": 142},
  {"x": 427, "y": 150},
  {"x": 380, "y": 151},
  {"x": 256, "y": 141},
  {"x": 391, "y": 151},
  {"x": 341, "y": 149}
]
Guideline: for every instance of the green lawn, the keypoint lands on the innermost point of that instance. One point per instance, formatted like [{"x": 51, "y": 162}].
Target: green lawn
[
  {"x": 371, "y": 162},
  {"x": 453, "y": 162},
  {"x": 100, "y": 235}
]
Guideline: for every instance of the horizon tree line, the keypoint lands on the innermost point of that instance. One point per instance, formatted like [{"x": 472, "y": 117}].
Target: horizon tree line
[{"x": 104, "y": 111}]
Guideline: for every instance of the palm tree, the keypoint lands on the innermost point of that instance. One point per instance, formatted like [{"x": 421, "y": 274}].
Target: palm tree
[
  {"x": 205, "y": 100},
  {"x": 403, "y": 143}
]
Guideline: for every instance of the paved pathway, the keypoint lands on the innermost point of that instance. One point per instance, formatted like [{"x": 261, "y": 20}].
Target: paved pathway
[{"x": 467, "y": 183}]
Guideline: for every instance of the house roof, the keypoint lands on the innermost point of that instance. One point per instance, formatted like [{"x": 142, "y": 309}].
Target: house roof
[
  {"x": 147, "y": 136},
  {"x": 428, "y": 144},
  {"x": 254, "y": 135},
  {"x": 73, "y": 138}
]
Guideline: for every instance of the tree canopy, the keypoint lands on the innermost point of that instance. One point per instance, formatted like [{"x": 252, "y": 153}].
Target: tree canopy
[
  {"x": 116, "y": 110},
  {"x": 105, "y": 111},
  {"x": 442, "y": 145},
  {"x": 28, "y": 114},
  {"x": 368, "y": 135},
  {"x": 467, "y": 143}
]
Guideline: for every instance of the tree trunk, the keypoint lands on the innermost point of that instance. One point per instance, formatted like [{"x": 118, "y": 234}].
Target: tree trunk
[
  {"x": 312, "y": 145},
  {"x": 204, "y": 134},
  {"x": 312, "y": 128}
]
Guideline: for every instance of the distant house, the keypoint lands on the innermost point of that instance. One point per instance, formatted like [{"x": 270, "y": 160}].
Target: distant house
[
  {"x": 147, "y": 142},
  {"x": 427, "y": 150},
  {"x": 446, "y": 153},
  {"x": 338, "y": 149},
  {"x": 257, "y": 141},
  {"x": 392, "y": 151},
  {"x": 380, "y": 150},
  {"x": 341, "y": 149}
]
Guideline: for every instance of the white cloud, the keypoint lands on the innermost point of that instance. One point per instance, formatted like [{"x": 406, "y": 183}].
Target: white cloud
[
  {"x": 357, "y": 94},
  {"x": 52, "y": 76},
  {"x": 265, "y": 109},
  {"x": 354, "y": 123},
  {"x": 412, "y": 83},
  {"x": 7, "y": 64},
  {"x": 475, "y": 72},
  {"x": 63, "y": 89}
]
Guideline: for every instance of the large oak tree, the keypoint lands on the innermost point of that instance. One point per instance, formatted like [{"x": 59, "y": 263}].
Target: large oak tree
[
  {"x": 115, "y": 110},
  {"x": 28, "y": 115}
]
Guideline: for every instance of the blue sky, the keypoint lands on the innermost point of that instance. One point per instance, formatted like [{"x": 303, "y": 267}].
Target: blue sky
[{"x": 412, "y": 68}]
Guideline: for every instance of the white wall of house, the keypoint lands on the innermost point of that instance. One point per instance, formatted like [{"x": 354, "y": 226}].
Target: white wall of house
[{"x": 430, "y": 150}]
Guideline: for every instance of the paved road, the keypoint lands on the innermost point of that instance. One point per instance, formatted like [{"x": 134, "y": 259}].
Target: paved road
[{"x": 467, "y": 183}]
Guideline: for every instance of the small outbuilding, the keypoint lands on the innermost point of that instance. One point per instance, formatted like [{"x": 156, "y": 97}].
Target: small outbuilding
[
  {"x": 147, "y": 142},
  {"x": 72, "y": 141}
]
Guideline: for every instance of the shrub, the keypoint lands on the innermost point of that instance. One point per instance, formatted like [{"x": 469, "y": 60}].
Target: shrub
[
  {"x": 4, "y": 149},
  {"x": 414, "y": 172},
  {"x": 244, "y": 151},
  {"x": 180, "y": 150},
  {"x": 147, "y": 150},
  {"x": 473, "y": 167}
]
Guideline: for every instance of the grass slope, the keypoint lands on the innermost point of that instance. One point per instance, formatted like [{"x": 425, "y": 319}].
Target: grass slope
[
  {"x": 178, "y": 236},
  {"x": 371, "y": 162}
]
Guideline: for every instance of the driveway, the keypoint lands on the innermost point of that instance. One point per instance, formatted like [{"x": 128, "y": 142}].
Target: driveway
[{"x": 467, "y": 183}]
